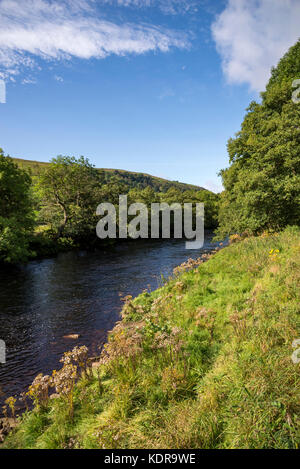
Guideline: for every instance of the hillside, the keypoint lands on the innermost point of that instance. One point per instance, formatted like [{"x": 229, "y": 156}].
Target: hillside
[
  {"x": 131, "y": 179},
  {"x": 203, "y": 362}
]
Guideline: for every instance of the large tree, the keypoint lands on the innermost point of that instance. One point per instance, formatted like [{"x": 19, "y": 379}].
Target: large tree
[
  {"x": 69, "y": 191},
  {"x": 16, "y": 211},
  {"x": 262, "y": 184}
]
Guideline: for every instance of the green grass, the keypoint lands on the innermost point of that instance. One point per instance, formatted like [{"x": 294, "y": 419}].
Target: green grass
[{"x": 227, "y": 379}]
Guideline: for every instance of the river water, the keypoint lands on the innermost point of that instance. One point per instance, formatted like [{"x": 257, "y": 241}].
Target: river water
[{"x": 74, "y": 293}]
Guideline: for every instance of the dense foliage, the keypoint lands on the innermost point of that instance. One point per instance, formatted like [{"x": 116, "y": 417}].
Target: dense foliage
[
  {"x": 69, "y": 193},
  {"x": 70, "y": 189},
  {"x": 16, "y": 211},
  {"x": 65, "y": 194},
  {"x": 262, "y": 184}
]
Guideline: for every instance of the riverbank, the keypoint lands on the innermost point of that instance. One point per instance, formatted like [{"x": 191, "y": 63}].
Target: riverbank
[
  {"x": 78, "y": 292},
  {"x": 203, "y": 362}
]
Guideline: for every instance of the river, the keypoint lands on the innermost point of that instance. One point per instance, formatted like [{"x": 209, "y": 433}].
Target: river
[{"x": 74, "y": 293}]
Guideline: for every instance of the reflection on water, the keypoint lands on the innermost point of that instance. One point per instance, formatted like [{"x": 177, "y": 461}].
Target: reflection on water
[{"x": 75, "y": 293}]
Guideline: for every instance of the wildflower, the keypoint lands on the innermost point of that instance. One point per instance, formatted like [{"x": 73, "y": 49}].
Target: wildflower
[
  {"x": 124, "y": 342},
  {"x": 179, "y": 285},
  {"x": 273, "y": 254},
  {"x": 38, "y": 391},
  {"x": 205, "y": 318},
  {"x": 235, "y": 238},
  {"x": 130, "y": 307},
  {"x": 23, "y": 399},
  {"x": 238, "y": 322},
  {"x": 11, "y": 401},
  {"x": 168, "y": 340},
  {"x": 188, "y": 265},
  {"x": 4, "y": 410},
  {"x": 172, "y": 381},
  {"x": 64, "y": 382},
  {"x": 78, "y": 356}
]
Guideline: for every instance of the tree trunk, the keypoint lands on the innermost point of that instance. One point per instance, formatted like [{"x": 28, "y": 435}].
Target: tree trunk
[{"x": 61, "y": 229}]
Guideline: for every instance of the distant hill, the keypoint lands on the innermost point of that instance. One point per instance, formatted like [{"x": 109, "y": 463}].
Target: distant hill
[{"x": 130, "y": 178}]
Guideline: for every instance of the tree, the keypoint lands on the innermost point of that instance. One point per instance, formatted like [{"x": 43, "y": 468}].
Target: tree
[
  {"x": 262, "y": 184},
  {"x": 69, "y": 192},
  {"x": 16, "y": 211}
]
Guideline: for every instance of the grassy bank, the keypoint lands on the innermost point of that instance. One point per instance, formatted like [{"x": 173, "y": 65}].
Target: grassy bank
[{"x": 203, "y": 362}]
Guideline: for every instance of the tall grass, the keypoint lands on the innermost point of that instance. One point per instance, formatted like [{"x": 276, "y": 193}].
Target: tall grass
[{"x": 203, "y": 362}]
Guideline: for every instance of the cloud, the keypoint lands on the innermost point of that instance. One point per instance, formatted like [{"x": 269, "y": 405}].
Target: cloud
[
  {"x": 252, "y": 35},
  {"x": 168, "y": 7},
  {"x": 56, "y": 30},
  {"x": 29, "y": 81},
  {"x": 213, "y": 186}
]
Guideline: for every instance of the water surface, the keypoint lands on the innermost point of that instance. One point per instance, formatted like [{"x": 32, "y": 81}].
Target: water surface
[{"x": 74, "y": 293}]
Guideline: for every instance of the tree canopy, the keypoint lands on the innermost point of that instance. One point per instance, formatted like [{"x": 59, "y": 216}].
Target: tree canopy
[
  {"x": 262, "y": 183},
  {"x": 16, "y": 211},
  {"x": 68, "y": 190}
]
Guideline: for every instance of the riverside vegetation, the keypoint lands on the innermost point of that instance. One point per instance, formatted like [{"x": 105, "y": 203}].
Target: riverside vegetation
[
  {"x": 203, "y": 362},
  {"x": 51, "y": 207}
]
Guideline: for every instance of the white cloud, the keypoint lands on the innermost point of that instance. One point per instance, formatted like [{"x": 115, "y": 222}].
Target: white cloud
[
  {"x": 58, "y": 78},
  {"x": 252, "y": 35},
  {"x": 55, "y": 30},
  {"x": 28, "y": 81},
  {"x": 168, "y": 7},
  {"x": 213, "y": 186}
]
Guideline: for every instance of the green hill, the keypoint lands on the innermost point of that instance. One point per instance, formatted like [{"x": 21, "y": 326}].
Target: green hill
[{"x": 130, "y": 178}]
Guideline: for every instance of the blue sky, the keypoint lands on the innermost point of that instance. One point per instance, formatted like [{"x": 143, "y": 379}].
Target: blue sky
[{"x": 155, "y": 86}]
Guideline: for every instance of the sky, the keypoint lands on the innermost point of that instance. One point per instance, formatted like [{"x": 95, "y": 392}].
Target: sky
[{"x": 154, "y": 86}]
